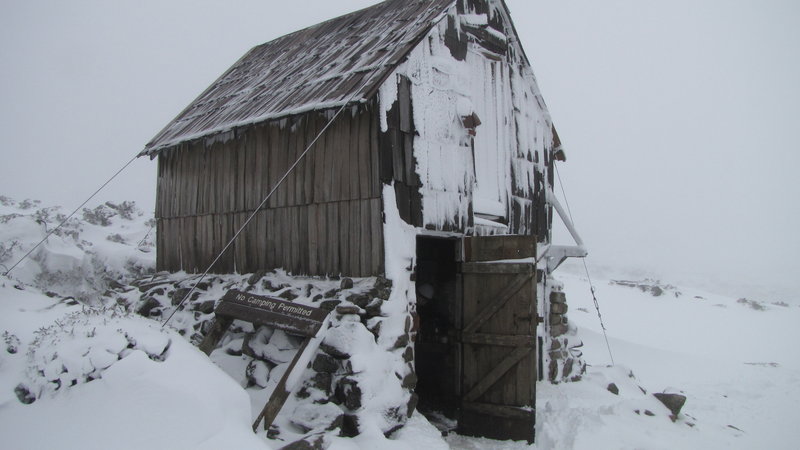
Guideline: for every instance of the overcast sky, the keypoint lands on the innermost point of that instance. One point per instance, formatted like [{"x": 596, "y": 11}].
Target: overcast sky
[{"x": 681, "y": 119}]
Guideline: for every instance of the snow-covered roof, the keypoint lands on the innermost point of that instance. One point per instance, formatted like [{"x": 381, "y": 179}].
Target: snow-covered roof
[{"x": 342, "y": 60}]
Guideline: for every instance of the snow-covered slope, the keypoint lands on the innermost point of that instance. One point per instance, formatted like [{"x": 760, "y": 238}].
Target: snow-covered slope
[{"x": 124, "y": 382}]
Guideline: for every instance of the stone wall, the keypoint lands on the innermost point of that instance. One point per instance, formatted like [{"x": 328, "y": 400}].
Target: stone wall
[{"x": 564, "y": 362}]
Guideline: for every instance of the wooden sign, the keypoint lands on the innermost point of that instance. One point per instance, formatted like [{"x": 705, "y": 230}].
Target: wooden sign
[
  {"x": 273, "y": 312},
  {"x": 287, "y": 316}
]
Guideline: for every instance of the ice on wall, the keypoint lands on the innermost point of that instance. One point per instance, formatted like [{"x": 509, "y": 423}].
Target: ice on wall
[{"x": 509, "y": 144}]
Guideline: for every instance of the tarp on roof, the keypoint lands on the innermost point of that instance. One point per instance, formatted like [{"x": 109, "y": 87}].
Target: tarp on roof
[{"x": 342, "y": 60}]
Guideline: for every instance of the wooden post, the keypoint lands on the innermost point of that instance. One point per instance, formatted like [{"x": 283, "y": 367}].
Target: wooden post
[
  {"x": 281, "y": 392},
  {"x": 289, "y": 317},
  {"x": 218, "y": 329}
]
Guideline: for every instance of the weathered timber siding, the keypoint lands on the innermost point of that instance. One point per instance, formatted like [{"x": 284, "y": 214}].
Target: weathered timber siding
[
  {"x": 397, "y": 162},
  {"x": 324, "y": 219}
]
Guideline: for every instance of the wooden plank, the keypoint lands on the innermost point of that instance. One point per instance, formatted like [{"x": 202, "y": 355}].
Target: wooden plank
[
  {"x": 499, "y": 268},
  {"x": 308, "y": 162},
  {"x": 319, "y": 161},
  {"x": 260, "y": 309},
  {"x": 333, "y": 237},
  {"x": 376, "y": 215},
  {"x": 354, "y": 157},
  {"x": 280, "y": 393},
  {"x": 303, "y": 235},
  {"x": 345, "y": 158},
  {"x": 375, "y": 152},
  {"x": 497, "y": 371},
  {"x": 498, "y": 301},
  {"x": 365, "y": 240},
  {"x": 344, "y": 238},
  {"x": 215, "y": 334},
  {"x": 499, "y": 339},
  {"x": 354, "y": 247},
  {"x": 509, "y": 412},
  {"x": 291, "y": 156},
  {"x": 492, "y": 248}
]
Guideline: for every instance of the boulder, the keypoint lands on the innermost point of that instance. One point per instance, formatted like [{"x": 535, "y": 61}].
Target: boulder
[
  {"x": 316, "y": 442},
  {"x": 347, "y": 283},
  {"x": 558, "y": 297},
  {"x": 348, "y": 393},
  {"x": 148, "y": 306},
  {"x": 324, "y": 363},
  {"x": 673, "y": 402},
  {"x": 613, "y": 388},
  {"x": 206, "y": 307},
  {"x": 317, "y": 417}
]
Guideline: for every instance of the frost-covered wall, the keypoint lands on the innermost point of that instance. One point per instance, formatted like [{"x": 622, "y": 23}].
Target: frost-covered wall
[{"x": 483, "y": 179}]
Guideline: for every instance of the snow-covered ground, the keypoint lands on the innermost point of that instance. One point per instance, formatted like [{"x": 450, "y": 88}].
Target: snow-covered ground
[{"x": 125, "y": 382}]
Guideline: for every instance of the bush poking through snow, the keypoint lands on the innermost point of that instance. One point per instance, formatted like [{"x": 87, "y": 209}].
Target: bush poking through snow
[{"x": 79, "y": 347}]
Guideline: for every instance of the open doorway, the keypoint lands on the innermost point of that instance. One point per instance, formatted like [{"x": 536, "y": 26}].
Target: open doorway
[{"x": 437, "y": 352}]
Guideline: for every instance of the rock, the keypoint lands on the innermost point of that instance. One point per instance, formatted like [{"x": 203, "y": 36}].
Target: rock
[
  {"x": 288, "y": 295},
  {"x": 147, "y": 308},
  {"x": 558, "y": 308},
  {"x": 308, "y": 443},
  {"x": 556, "y": 319},
  {"x": 401, "y": 342},
  {"x": 323, "y": 382},
  {"x": 558, "y": 297},
  {"x": 347, "y": 309},
  {"x": 317, "y": 298},
  {"x": 325, "y": 363},
  {"x": 255, "y": 278},
  {"x": 273, "y": 432},
  {"x": 410, "y": 381},
  {"x": 558, "y": 330},
  {"x": 347, "y": 283},
  {"x": 411, "y": 405},
  {"x": 567, "y": 370},
  {"x": 207, "y": 307},
  {"x": 157, "y": 291},
  {"x": 673, "y": 402},
  {"x": 257, "y": 373},
  {"x": 332, "y": 293},
  {"x": 613, "y": 388},
  {"x": 360, "y": 300},
  {"x": 375, "y": 328},
  {"x": 555, "y": 344},
  {"x": 350, "y": 426},
  {"x": 374, "y": 307},
  {"x": 333, "y": 351},
  {"x": 24, "y": 395},
  {"x": 329, "y": 305},
  {"x": 317, "y": 417},
  {"x": 647, "y": 412},
  {"x": 348, "y": 393},
  {"x": 384, "y": 288},
  {"x": 408, "y": 354}
]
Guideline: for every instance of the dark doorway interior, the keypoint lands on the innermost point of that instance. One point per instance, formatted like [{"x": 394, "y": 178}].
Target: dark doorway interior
[{"x": 437, "y": 350}]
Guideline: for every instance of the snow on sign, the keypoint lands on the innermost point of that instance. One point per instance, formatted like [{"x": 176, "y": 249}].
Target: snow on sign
[
  {"x": 274, "y": 312},
  {"x": 288, "y": 316}
]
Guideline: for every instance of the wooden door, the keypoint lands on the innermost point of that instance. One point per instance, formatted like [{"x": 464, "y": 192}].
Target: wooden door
[{"x": 498, "y": 339}]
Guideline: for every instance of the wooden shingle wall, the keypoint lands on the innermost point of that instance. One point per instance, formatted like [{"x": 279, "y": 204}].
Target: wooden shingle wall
[{"x": 324, "y": 219}]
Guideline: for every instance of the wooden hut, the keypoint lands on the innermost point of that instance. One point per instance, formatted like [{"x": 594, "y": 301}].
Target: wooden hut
[{"x": 426, "y": 110}]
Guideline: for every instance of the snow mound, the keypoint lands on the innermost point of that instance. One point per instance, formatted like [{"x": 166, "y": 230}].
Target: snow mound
[
  {"x": 101, "y": 247},
  {"x": 79, "y": 347}
]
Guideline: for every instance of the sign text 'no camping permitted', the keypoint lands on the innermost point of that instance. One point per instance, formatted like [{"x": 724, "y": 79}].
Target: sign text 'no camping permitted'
[{"x": 287, "y": 316}]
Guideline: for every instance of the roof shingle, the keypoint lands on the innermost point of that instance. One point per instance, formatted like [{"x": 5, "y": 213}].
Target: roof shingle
[{"x": 342, "y": 60}]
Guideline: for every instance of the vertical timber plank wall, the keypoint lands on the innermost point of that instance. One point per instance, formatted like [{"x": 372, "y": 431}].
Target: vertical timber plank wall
[{"x": 326, "y": 218}]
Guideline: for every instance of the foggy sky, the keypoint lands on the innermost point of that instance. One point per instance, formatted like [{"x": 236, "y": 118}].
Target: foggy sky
[{"x": 680, "y": 119}]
